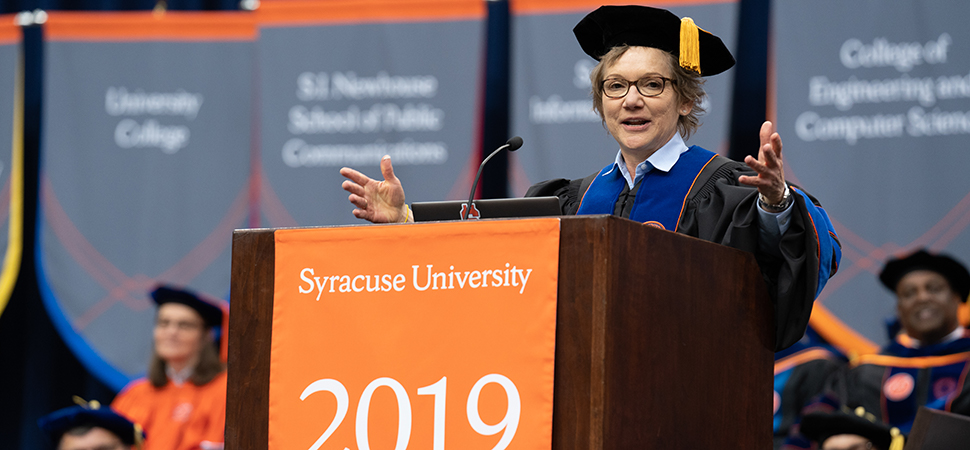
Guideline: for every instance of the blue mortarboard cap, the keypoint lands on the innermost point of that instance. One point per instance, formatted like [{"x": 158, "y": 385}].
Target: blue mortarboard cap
[
  {"x": 211, "y": 314},
  {"x": 819, "y": 426},
  {"x": 61, "y": 421}
]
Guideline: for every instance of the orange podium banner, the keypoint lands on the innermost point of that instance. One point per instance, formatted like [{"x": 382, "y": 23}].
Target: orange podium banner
[{"x": 421, "y": 336}]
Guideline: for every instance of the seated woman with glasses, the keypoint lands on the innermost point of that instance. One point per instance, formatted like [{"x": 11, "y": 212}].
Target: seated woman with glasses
[
  {"x": 647, "y": 88},
  {"x": 182, "y": 403}
]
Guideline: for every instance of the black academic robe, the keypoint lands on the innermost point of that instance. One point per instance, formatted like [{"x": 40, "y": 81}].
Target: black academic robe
[
  {"x": 726, "y": 212},
  {"x": 895, "y": 383},
  {"x": 801, "y": 374}
]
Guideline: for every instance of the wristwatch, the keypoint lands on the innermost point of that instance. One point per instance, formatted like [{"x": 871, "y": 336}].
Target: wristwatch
[{"x": 785, "y": 202}]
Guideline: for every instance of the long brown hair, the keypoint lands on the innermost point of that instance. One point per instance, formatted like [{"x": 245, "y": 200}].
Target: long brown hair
[{"x": 207, "y": 368}]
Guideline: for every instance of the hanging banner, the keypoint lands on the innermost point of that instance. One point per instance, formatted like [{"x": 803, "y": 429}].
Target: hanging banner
[
  {"x": 551, "y": 105},
  {"x": 144, "y": 171},
  {"x": 430, "y": 345},
  {"x": 873, "y": 104},
  {"x": 11, "y": 154},
  {"x": 345, "y": 83}
]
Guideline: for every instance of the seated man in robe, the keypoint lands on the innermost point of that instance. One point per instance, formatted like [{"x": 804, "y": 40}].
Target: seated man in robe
[
  {"x": 91, "y": 426},
  {"x": 928, "y": 361}
]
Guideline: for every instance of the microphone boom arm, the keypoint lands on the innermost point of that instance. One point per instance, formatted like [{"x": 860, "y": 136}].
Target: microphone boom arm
[{"x": 513, "y": 145}]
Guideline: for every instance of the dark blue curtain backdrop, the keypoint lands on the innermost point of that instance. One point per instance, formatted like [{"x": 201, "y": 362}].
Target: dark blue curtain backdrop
[{"x": 38, "y": 373}]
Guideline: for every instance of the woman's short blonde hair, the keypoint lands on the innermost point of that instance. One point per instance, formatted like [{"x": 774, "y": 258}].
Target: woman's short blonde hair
[{"x": 688, "y": 85}]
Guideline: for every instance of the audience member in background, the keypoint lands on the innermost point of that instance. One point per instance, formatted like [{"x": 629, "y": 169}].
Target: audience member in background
[
  {"x": 182, "y": 403},
  {"x": 89, "y": 426},
  {"x": 928, "y": 361},
  {"x": 850, "y": 430},
  {"x": 801, "y": 373}
]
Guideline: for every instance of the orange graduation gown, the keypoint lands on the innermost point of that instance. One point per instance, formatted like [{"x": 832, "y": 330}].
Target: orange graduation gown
[{"x": 186, "y": 417}]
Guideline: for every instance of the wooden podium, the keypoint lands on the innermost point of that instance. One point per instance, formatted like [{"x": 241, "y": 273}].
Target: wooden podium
[
  {"x": 663, "y": 341},
  {"x": 938, "y": 430}
]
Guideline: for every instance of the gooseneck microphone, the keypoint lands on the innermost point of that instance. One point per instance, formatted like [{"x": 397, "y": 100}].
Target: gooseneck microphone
[{"x": 512, "y": 145}]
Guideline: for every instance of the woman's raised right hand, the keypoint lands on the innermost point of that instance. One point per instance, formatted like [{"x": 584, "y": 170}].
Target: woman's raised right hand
[{"x": 376, "y": 201}]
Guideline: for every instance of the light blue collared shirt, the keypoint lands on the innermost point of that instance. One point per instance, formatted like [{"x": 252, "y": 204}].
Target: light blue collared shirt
[
  {"x": 662, "y": 159},
  {"x": 772, "y": 225}
]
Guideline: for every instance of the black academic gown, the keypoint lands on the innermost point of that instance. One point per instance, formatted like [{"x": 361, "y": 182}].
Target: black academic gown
[
  {"x": 726, "y": 212},
  {"x": 801, "y": 375},
  {"x": 895, "y": 383}
]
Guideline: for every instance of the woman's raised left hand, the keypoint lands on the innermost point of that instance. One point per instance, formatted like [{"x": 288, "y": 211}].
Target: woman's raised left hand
[{"x": 770, "y": 180}]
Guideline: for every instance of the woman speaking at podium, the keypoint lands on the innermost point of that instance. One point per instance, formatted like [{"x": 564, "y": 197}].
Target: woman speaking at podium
[{"x": 647, "y": 88}]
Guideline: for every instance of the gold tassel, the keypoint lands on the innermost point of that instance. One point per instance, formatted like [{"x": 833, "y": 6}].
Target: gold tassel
[
  {"x": 690, "y": 47},
  {"x": 160, "y": 8},
  {"x": 861, "y": 412},
  {"x": 140, "y": 440},
  {"x": 93, "y": 404},
  {"x": 898, "y": 440}
]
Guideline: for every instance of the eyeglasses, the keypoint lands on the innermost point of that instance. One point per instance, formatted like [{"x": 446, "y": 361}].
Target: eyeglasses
[
  {"x": 648, "y": 86},
  {"x": 181, "y": 325}
]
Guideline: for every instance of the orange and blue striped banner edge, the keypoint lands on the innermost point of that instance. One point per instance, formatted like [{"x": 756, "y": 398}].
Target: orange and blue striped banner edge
[
  {"x": 836, "y": 332},
  {"x": 293, "y": 12},
  {"x": 150, "y": 26},
  {"x": 574, "y": 6},
  {"x": 12, "y": 258},
  {"x": 9, "y": 30}
]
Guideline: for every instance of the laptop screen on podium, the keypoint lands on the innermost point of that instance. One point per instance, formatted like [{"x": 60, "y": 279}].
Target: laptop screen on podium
[{"x": 487, "y": 209}]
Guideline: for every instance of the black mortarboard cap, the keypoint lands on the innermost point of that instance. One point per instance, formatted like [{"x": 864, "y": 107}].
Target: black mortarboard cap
[
  {"x": 610, "y": 26},
  {"x": 819, "y": 426},
  {"x": 950, "y": 268},
  {"x": 211, "y": 314},
  {"x": 61, "y": 421}
]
